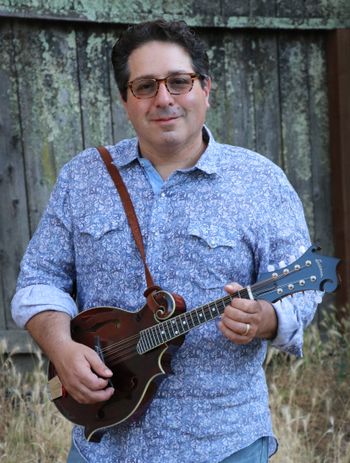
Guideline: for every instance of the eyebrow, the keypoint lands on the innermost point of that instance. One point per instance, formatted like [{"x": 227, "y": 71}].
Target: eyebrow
[{"x": 170, "y": 73}]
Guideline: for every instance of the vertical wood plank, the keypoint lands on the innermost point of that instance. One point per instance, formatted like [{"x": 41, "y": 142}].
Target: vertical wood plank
[
  {"x": 295, "y": 118},
  {"x": 93, "y": 53},
  {"x": 338, "y": 54},
  {"x": 319, "y": 142},
  {"x": 319, "y": 9},
  {"x": 234, "y": 8},
  {"x": 50, "y": 110},
  {"x": 266, "y": 96},
  {"x": 121, "y": 126},
  {"x": 219, "y": 103},
  {"x": 240, "y": 116},
  {"x": 263, "y": 8},
  {"x": 288, "y": 9},
  {"x": 14, "y": 229}
]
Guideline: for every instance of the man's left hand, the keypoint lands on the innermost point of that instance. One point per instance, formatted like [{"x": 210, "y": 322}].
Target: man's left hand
[{"x": 244, "y": 319}]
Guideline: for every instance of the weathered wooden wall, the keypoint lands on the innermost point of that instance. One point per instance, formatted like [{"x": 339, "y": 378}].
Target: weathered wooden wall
[{"x": 57, "y": 96}]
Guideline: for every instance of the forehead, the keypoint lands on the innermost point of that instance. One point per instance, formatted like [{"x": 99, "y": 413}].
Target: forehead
[{"x": 158, "y": 59}]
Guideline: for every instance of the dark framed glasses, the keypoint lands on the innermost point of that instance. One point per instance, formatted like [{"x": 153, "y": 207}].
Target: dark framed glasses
[{"x": 176, "y": 84}]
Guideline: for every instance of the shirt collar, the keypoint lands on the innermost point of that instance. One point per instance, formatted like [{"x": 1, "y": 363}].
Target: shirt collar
[
  {"x": 209, "y": 161},
  {"x": 127, "y": 151}
]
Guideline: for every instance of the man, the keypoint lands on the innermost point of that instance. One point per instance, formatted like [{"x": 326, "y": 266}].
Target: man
[{"x": 210, "y": 214}]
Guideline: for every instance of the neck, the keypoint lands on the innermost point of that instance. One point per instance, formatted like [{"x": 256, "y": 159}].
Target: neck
[{"x": 169, "y": 159}]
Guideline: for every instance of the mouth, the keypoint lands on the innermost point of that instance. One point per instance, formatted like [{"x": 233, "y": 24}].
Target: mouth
[{"x": 165, "y": 119}]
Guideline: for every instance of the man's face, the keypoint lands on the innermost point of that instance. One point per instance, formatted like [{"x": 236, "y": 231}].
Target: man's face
[{"x": 166, "y": 122}]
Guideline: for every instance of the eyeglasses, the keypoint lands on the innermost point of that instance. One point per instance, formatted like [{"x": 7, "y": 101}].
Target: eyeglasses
[{"x": 176, "y": 84}]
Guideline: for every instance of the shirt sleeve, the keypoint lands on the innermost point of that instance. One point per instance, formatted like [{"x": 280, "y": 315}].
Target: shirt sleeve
[
  {"x": 47, "y": 273},
  {"x": 290, "y": 324},
  {"x": 31, "y": 300},
  {"x": 285, "y": 240}
]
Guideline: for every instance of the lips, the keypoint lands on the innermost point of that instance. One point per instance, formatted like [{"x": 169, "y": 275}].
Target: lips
[
  {"x": 165, "y": 119},
  {"x": 165, "y": 115}
]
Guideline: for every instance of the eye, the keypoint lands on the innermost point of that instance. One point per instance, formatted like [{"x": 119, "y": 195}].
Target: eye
[
  {"x": 179, "y": 81},
  {"x": 144, "y": 86}
]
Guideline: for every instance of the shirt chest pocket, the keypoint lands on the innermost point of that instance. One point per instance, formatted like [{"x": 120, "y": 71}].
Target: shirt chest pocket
[
  {"x": 103, "y": 243},
  {"x": 212, "y": 252}
]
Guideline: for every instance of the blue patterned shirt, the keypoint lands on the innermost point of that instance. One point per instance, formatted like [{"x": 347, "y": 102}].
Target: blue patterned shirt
[{"x": 229, "y": 218}]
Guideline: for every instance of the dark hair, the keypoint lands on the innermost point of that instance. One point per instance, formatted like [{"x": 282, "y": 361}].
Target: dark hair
[{"x": 136, "y": 35}]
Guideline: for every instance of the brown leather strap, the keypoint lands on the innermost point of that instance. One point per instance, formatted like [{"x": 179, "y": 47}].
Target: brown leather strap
[{"x": 130, "y": 213}]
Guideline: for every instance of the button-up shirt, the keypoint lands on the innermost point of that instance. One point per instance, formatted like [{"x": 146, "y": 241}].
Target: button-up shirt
[{"x": 231, "y": 217}]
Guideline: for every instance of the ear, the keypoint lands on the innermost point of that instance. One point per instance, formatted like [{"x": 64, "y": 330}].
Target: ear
[
  {"x": 206, "y": 89},
  {"x": 124, "y": 103}
]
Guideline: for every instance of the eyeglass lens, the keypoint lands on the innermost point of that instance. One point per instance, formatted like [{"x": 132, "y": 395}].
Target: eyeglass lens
[{"x": 176, "y": 84}]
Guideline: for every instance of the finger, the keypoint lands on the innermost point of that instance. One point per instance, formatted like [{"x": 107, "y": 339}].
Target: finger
[
  {"x": 233, "y": 287},
  {"x": 84, "y": 367},
  {"x": 85, "y": 395},
  {"x": 243, "y": 306},
  {"x": 241, "y": 328},
  {"x": 237, "y": 327},
  {"x": 233, "y": 336},
  {"x": 97, "y": 365}
]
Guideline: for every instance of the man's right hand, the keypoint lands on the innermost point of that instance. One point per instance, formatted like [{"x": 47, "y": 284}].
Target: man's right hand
[
  {"x": 79, "y": 368},
  {"x": 83, "y": 374}
]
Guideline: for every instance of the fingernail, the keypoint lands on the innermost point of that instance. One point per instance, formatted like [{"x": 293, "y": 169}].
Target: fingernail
[{"x": 108, "y": 371}]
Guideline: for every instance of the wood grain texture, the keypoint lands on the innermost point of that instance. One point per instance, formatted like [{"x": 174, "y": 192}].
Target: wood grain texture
[
  {"x": 275, "y": 14},
  {"x": 57, "y": 89},
  {"x": 50, "y": 108},
  {"x": 338, "y": 54},
  {"x": 14, "y": 227}
]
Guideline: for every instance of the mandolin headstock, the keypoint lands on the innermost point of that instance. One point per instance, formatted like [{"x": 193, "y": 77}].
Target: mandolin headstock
[{"x": 312, "y": 271}]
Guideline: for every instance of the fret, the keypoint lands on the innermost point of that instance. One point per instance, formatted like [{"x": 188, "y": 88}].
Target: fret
[
  {"x": 184, "y": 323},
  {"x": 157, "y": 335},
  {"x": 179, "y": 325},
  {"x": 174, "y": 325},
  {"x": 164, "y": 335},
  {"x": 147, "y": 340},
  {"x": 201, "y": 314},
  {"x": 209, "y": 313},
  {"x": 221, "y": 303},
  {"x": 198, "y": 319},
  {"x": 242, "y": 294},
  {"x": 191, "y": 318},
  {"x": 152, "y": 336},
  {"x": 169, "y": 327},
  {"x": 140, "y": 347},
  {"x": 214, "y": 310}
]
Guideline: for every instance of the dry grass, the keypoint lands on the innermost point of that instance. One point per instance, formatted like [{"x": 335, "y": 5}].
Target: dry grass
[
  {"x": 31, "y": 430},
  {"x": 310, "y": 398},
  {"x": 310, "y": 401}
]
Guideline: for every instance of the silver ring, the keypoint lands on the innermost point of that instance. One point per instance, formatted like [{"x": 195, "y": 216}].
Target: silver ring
[{"x": 247, "y": 329}]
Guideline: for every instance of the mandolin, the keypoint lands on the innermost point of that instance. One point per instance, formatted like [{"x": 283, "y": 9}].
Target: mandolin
[{"x": 138, "y": 346}]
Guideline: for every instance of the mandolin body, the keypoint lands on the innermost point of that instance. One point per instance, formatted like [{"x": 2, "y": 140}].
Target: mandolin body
[
  {"x": 137, "y": 347},
  {"x": 135, "y": 377}
]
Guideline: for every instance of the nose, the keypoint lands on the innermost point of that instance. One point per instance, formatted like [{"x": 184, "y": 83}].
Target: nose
[{"x": 163, "y": 97}]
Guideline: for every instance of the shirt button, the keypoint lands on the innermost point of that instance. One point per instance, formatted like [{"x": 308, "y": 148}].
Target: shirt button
[{"x": 163, "y": 194}]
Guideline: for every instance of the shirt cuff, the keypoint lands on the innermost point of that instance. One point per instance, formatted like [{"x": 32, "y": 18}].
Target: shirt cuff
[
  {"x": 292, "y": 322},
  {"x": 31, "y": 300},
  {"x": 290, "y": 330}
]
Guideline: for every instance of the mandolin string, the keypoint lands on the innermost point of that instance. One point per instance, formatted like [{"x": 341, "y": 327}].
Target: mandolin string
[
  {"x": 126, "y": 349},
  {"x": 115, "y": 347},
  {"x": 119, "y": 346},
  {"x": 121, "y": 349}
]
